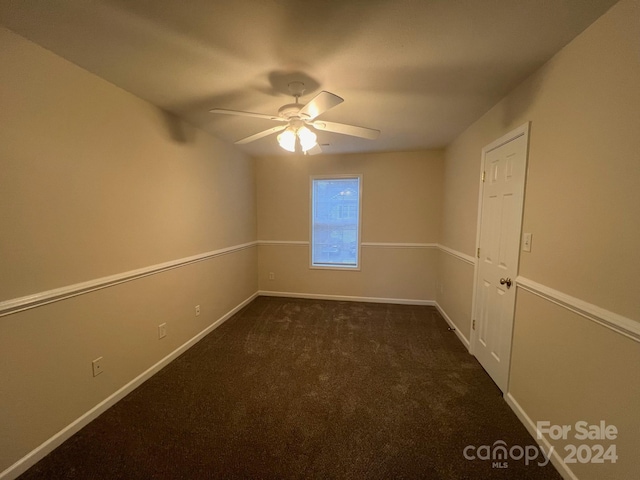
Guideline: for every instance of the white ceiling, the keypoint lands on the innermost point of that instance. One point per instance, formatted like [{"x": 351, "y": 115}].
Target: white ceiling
[{"x": 420, "y": 71}]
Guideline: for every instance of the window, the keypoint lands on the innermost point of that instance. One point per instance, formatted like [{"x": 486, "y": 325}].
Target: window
[{"x": 335, "y": 221}]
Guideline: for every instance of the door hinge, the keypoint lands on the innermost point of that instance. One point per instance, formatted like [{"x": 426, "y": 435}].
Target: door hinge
[
  {"x": 478, "y": 253},
  {"x": 474, "y": 324},
  {"x": 483, "y": 175}
]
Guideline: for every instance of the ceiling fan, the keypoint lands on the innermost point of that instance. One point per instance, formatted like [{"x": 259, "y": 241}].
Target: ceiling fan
[{"x": 296, "y": 119}]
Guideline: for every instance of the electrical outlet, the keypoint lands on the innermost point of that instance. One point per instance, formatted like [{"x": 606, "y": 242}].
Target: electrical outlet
[
  {"x": 197, "y": 310},
  {"x": 97, "y": 366},
  {"x": 162, "y": 330},
  {"x": 272, "y": 276},
  {"x": 526, "y": 242}
]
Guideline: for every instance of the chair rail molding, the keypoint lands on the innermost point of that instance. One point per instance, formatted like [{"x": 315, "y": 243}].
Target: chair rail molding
[
  {"x": 459, "y": 255},
  {"x": 399, "y": 245},
  {"x": 27, "y": 302},
  {"x": 618, "y": 323}
]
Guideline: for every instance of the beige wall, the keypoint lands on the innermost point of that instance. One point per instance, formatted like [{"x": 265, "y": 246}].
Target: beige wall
[
  {"x": 453, "y": 293},
  {"x": 581, "y": 205},
  {"x": 401, "y": 195},
  {"x": 566, "y": 369},
  {"x": 387, "y": 273},
  {"x": 96, "y": 182}
]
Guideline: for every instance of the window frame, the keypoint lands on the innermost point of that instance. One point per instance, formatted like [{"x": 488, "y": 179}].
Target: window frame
[{"x": 352, "y": 268}]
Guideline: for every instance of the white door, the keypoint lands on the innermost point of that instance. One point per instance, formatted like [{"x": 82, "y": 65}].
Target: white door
[{"x": 500, "y": 223}]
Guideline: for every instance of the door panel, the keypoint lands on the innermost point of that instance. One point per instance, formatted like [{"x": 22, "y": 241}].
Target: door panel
[
  {"x": 505, "y": 255},
  {"x": 484, "y": 314},
  {"x": 499, "y": 241},
  {"x": 493, "y": 216}
]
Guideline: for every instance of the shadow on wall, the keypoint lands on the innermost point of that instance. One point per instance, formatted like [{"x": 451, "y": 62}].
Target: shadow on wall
[
  {"x": 517, "y": 104},
  {"x": 280, "y": 79},
  {"x": 482, "y": 84},
  {"x": 179, "y": 130},
  {"x": 323, "y": 28}
]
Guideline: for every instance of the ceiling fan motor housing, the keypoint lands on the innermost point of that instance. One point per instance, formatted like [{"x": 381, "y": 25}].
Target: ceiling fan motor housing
[{"x": 291, "y": 111}]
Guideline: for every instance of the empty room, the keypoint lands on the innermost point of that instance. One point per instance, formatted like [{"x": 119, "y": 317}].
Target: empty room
[{"x": 334, "y": 239}]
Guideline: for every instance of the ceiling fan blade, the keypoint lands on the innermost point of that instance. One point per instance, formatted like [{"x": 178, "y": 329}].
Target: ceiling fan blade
[
  {"x": 259, "y": 135},
  {"x": 315, "y": 150},
  {"x": 247, "y": 114},
  {"x": 362, "y": 132},
  {"x": 320, "y": 104}
]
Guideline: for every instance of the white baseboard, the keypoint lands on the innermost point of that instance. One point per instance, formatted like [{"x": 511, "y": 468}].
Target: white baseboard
[
  {"x": 55, "y": 441},
  {"x": 556, "y": 459},
  {"x": 457, "y": 331},
  {"x": 399, "y": 301},
  {"x": 345, "y": 298}
]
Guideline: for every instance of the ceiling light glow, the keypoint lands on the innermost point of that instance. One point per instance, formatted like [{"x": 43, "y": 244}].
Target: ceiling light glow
[
  {"x": 287, "y": 140},
  {"x": 307, "y": 138}
]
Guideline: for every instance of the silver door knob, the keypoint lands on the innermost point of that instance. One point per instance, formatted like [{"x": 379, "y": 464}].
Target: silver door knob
[{"x": 506, "y": 281}]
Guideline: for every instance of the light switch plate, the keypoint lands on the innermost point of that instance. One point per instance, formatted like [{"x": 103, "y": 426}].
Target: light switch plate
[
  {"x": 97, "y": 366},
  {"x": 526, "y": 242}
]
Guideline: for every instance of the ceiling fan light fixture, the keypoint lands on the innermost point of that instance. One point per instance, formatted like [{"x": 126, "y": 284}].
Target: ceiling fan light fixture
[
  {"x": 295, "y": 116},
  {"x": 307, "y": 139},
  {"x": 287, "y": 140}
]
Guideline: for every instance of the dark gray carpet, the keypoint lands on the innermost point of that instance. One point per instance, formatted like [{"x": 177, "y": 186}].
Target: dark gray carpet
[{"x": 306, "y": 389}]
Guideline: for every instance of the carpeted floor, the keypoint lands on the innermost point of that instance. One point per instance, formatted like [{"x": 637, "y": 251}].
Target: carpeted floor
[{"x": 306, "y": 389}]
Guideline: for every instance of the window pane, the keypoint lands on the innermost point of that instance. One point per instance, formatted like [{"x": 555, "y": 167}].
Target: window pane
[{"x": 335, "y": 221}]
